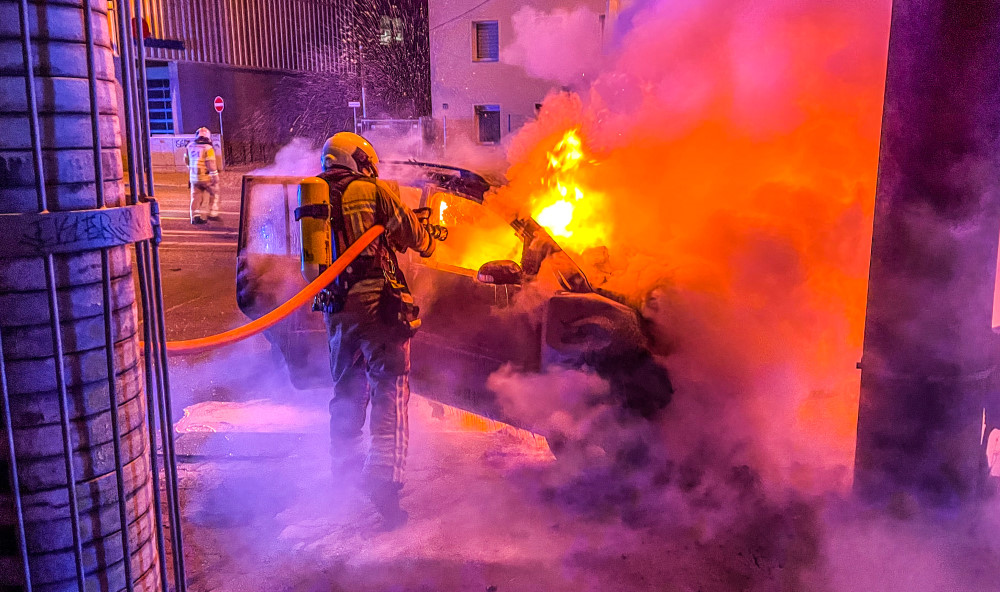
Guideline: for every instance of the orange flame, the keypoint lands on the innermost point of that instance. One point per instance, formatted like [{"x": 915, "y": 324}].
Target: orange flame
[
  {"x": 564, "y": 207},
  {"x": 476, "y": 234},
  {"x": 733, "y": 191}
]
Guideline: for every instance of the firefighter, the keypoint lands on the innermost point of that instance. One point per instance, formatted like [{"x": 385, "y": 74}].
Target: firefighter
[
  {"x": 369, "y": 328},
  {"x": 203, "y": 177}
]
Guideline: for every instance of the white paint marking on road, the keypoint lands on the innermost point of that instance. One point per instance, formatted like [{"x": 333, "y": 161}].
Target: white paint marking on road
[
  {"x": 189, "y": 301},
  {"x": 187, "y": 214},
  {"x": 184, "y": 218},
  {"x": 169, "y": 245},
  {"x": 231, "y": 233}
]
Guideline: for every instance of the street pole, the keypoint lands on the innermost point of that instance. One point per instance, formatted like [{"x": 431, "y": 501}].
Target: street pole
[
  {"x": 222, "y": 140},
  {"x": 929, "y": 367},
  {"x": 361, "y": 70},
  {"x": 220, "y": 106}
]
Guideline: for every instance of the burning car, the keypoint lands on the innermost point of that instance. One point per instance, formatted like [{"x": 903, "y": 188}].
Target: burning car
[{"x": 499, "y": 293}]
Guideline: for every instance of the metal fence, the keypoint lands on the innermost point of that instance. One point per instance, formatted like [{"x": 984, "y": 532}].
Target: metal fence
[
  {"x": 408, "y": 137},
  {"x": 80, "y": 498}
]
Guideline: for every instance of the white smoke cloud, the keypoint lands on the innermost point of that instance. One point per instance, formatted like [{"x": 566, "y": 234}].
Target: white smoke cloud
[
  {"x": 297, "y": 158},
  {"x": 738, "y": 487},
  {"x": 563, "y": 45}
]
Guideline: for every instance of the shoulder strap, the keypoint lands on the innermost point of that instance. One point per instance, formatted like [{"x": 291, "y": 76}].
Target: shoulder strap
[{"x": 338, "y": 179}]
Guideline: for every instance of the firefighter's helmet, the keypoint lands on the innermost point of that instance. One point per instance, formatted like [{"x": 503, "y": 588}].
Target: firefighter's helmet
[
  {"x": 203, "y": 134},
  {"x": 352, "y": 151}
]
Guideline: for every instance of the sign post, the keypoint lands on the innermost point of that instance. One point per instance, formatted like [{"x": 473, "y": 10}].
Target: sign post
[
  {"x": 219, "y": 106},
  {"x": 354, "y": 105}
]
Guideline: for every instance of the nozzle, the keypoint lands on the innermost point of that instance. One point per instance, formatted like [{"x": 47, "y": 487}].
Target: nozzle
[{"x": 437, "y": 232}]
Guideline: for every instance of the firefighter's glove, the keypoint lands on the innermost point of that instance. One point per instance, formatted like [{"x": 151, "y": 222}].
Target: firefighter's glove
[
  {"x": 431, "y": 245},
  {"x": 435, "y": 233},
  {"x": 423, "y": 215}
]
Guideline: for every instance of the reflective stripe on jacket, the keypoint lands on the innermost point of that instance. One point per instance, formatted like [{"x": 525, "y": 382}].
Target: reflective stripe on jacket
[{"x": 201, "y": 162}]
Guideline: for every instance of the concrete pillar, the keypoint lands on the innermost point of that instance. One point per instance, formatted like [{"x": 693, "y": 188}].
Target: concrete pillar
[
  {"x": 65, "y": 103},
  {"x": 929, "y": 352}
]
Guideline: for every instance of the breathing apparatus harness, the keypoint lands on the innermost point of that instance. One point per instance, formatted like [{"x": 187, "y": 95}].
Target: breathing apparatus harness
[{"x": 324, "y": 238}]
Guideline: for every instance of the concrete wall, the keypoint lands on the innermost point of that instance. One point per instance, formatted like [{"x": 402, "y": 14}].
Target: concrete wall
[
  {"x": 167, "y": 152},
  {"x": 461, "y": 83},
  {"x": 247, "y": 137},
  {"x": 243, "y": 91}
]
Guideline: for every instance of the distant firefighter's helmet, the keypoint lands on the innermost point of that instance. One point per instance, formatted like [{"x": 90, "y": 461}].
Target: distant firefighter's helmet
[
  {"x": 203, "y": 134},
  {"x": 352, "y": 151}
]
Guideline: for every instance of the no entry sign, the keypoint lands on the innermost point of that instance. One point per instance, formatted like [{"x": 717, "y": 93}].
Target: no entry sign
[{"x": 219, "y": 104}]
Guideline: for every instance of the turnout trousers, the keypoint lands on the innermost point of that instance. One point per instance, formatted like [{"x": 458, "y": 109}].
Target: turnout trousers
[
  {"x": 370, "y": 362},
  {"x": 204, "y": 199}
]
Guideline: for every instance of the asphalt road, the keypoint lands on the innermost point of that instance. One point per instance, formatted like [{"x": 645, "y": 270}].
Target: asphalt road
[
  {"x": 178, "y": 232},
  {"x": 198, "y": 263},
  {"x": 198, "y": 275}
]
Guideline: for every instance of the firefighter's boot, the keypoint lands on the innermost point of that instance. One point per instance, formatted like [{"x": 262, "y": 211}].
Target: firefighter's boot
[{"x": 385, "y": 497}]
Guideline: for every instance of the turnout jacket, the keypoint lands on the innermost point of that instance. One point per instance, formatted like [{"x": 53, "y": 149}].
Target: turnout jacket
[
  {"x": 200, "y": 158},
  {"x": 366, "y": 202}
]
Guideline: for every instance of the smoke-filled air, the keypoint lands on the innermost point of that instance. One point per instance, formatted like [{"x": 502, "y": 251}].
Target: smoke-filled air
[
  {"x": 713, "y": 166},
  {"x": 720, "y": 172}
]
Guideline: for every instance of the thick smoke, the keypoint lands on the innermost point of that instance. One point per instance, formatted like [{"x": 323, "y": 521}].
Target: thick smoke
[
  {"x": 732, "y": 147},
  {"x": 299, "y": 157},
  {"x": 541, "y": 39},
  {"x": 736, "y": 173},
  {"x": 732, "y": 151}
]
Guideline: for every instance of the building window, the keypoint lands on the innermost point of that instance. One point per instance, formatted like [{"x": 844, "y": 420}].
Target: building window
[
  {"x": 158, "y": 101},
  {"x": 488, "y": 122},
  {"x": 487, "y": 38},
  {"x": 390, "y": 30}
]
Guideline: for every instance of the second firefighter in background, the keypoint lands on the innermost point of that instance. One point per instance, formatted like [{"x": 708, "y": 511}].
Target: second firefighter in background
[
  {"x": 203, "y": 177},
  {"x": 370, "y": 319}
]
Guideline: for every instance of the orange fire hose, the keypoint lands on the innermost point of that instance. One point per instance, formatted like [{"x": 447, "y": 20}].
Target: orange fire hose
[{"x": 270, "y": 319}]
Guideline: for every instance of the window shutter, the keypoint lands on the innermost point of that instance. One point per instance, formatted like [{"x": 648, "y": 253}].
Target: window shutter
[
  {"x": 161, "y": 113},
  {"x": 487, "y": 41}
]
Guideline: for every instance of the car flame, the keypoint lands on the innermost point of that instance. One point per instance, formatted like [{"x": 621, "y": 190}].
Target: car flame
[
  {"x": 565, "y": 207},
  {"x": 475, "y": 234}
]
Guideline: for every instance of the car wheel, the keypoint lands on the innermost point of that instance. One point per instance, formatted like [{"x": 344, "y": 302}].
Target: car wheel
[
  {"x": 640, "y": 390},
  {"x": 639, "y": 383}
]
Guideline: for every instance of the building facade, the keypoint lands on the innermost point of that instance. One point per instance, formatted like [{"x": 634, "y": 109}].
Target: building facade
[
  {"x": 268, "y": 59},
  {"x": 488, "y": 77}
]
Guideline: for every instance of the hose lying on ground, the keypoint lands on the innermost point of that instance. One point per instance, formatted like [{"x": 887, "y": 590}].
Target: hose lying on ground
[{"x": 270, "y": 319}]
